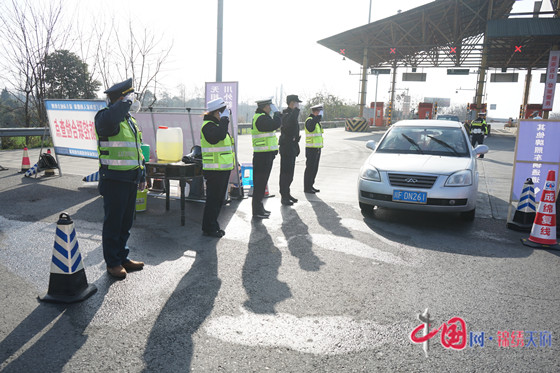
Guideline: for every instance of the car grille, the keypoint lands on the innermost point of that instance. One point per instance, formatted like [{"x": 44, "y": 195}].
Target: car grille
[{"x": 412, "y": 181}]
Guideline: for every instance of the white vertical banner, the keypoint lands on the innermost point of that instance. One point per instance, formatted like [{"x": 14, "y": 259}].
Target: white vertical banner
[
  {"x": 550, "y": 83},
  {"x": 229, "y": 92}
]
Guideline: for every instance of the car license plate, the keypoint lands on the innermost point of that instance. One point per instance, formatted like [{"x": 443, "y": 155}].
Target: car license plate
[{"x": 408, "y": 196}]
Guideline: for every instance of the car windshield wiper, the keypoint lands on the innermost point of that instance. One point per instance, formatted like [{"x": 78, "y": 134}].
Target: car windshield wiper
[
  {"x": 412, "y": 142},
  {"x": 441, "y": 142}
]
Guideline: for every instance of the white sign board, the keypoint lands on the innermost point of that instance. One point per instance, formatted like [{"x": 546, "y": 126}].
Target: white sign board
[{"x": 72, "y": 126}]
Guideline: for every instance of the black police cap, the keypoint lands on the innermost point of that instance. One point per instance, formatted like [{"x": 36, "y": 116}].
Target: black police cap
[
  {"x": 120, "y": 89},
  {"x": 291, "y": 98}
]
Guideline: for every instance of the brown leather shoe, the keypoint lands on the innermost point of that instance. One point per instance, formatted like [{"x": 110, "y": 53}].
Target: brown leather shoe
[
  {"x": 133, "y": 265},
  {"x": 118, "y": 271}
]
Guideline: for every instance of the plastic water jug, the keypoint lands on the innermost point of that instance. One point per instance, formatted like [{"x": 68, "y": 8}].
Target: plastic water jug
[{"x": 169, "y": 144}]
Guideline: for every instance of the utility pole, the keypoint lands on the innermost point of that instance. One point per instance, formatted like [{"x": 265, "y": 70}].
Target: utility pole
[
  {"x": 483, "y": 63},
  {"x": 364, "y": 73},
  {"x": 220, "y": 38}
]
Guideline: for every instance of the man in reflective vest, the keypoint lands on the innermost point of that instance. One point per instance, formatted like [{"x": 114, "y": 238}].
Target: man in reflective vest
[
  {"x": 265, "y": 148},
  {"x": 478, "y": 131},
  {"x": 121, "y": 173},
  {"x": 313, "y": 145},
  {"x": 217, "y": 163}
]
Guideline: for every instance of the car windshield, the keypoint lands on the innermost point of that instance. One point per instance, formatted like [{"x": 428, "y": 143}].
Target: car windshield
[
  {"x": 447, "y": 141},
  {"x": 448, "y": 117}
]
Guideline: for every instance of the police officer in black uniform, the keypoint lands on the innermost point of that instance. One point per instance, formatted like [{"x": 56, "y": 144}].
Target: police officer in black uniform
[
  {"x": 313, "y": 146},
  {"x": 289, "y": 148},
  {"x": 218, "y": 161},
  {"x": 478, "y": 131},
  {"x": 265, "y": 148},
  {"x": 121, "y": 173}
]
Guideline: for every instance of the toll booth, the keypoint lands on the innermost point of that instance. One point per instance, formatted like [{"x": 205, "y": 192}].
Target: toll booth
[
  {"x": 531, "y": 108},
  {"x": 378, "y": 118},
  {"x": 425, "y": 110}
]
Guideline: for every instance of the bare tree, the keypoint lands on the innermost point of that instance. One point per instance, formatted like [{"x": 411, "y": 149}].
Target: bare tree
[
  {"x": 29, "y": 31},
  {"x": 118, "y": 54}
]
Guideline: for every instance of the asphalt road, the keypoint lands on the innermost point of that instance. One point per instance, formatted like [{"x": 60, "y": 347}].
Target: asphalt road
[{"x": 317, "y": 287}]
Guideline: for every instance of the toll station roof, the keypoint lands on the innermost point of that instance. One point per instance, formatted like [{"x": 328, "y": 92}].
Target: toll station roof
[{"x": 450, "y": 33}]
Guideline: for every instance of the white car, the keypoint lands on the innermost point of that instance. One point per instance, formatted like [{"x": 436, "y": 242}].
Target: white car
[{"x": 426, "y": 165}]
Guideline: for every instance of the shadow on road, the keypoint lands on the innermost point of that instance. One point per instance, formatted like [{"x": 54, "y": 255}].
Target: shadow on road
[
  {"x": 448, "y": 233},
  {"x": 59, "y": 331},
  {"x": 260, "y": 272},
  {"x": 296, "y": 233},
  {"x": 328, "y": 218},
  {"x": 170, "y": 345},
  {"x": 36, "y": 200}
]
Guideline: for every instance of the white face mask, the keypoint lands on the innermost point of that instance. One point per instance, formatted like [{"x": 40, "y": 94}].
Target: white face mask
[{"x": 135, "y": 107}]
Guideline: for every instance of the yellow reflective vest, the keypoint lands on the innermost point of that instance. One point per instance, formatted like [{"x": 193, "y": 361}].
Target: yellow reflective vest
[
  {"x": 263, "y": 141},
  {"x": 219, "y": 156},
  {"x": 123, "y": 151},
  {"x": 314, "y": 139}
]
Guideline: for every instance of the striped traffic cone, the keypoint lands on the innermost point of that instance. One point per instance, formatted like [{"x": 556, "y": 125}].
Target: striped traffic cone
[
  {"x": 543, "y": 234},
  {"x": 68, "y": 282},
  {"x": 49, "y": 171},
  {"x": 92, "y": 177},
  {"x": 32, "y": 171},
  {"x": 25, "y": 164},
  {"x": 526, "y": 209}
]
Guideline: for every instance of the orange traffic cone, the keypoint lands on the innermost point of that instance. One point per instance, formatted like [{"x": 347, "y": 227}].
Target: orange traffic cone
[
  {"x": 543, "y": 234},
  {"x": 49, "y": 171},
  {"x": 25, "y": 164}
]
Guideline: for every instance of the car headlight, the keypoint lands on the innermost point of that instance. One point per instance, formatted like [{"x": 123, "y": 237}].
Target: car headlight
[
  {"x": 460, "y": 178},
  {"x": 370, "y": 173}
]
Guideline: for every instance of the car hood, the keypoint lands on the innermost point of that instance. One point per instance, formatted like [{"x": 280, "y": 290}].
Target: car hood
[{"x": 424, "y": 163}]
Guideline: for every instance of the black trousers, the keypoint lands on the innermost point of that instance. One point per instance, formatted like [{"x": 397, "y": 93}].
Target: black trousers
[
  {"x": 216, "y": 187},
  {"x": 262, "y": 164},
  {"x": 312, "y": 156},
  {"x": 119, "y": 203},
  {"x": 287, "y": 166},
  {"x": 477, "y": 138}
]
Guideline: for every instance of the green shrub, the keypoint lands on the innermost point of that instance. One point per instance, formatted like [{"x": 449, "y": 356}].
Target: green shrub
[{"x": 20, "y": 142}]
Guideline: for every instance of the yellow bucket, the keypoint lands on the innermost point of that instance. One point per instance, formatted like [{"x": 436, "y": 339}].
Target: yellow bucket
[{"x": 141, "y": 200}]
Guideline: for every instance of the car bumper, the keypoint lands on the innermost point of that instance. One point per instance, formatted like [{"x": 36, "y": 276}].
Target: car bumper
[{"x": 440, "y": 198}]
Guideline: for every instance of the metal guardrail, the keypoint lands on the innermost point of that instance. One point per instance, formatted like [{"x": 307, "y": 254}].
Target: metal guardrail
[
  {"x": 14, "y": 132},
  {"x": 245, "y": 128}
]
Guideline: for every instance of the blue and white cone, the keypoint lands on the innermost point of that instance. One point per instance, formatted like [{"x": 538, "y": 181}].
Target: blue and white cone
[
  {"x": 32, "y": 171},
  {"x": 526, "y": 209},
  {"x": 68, "y": 282},
  {"x": 93, "y": 177}
]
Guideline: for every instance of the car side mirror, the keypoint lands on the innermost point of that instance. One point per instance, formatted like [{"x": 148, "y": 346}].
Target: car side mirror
[
  {"x": 481, "y": 149},
  {"x": 370, "y": 144}
]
